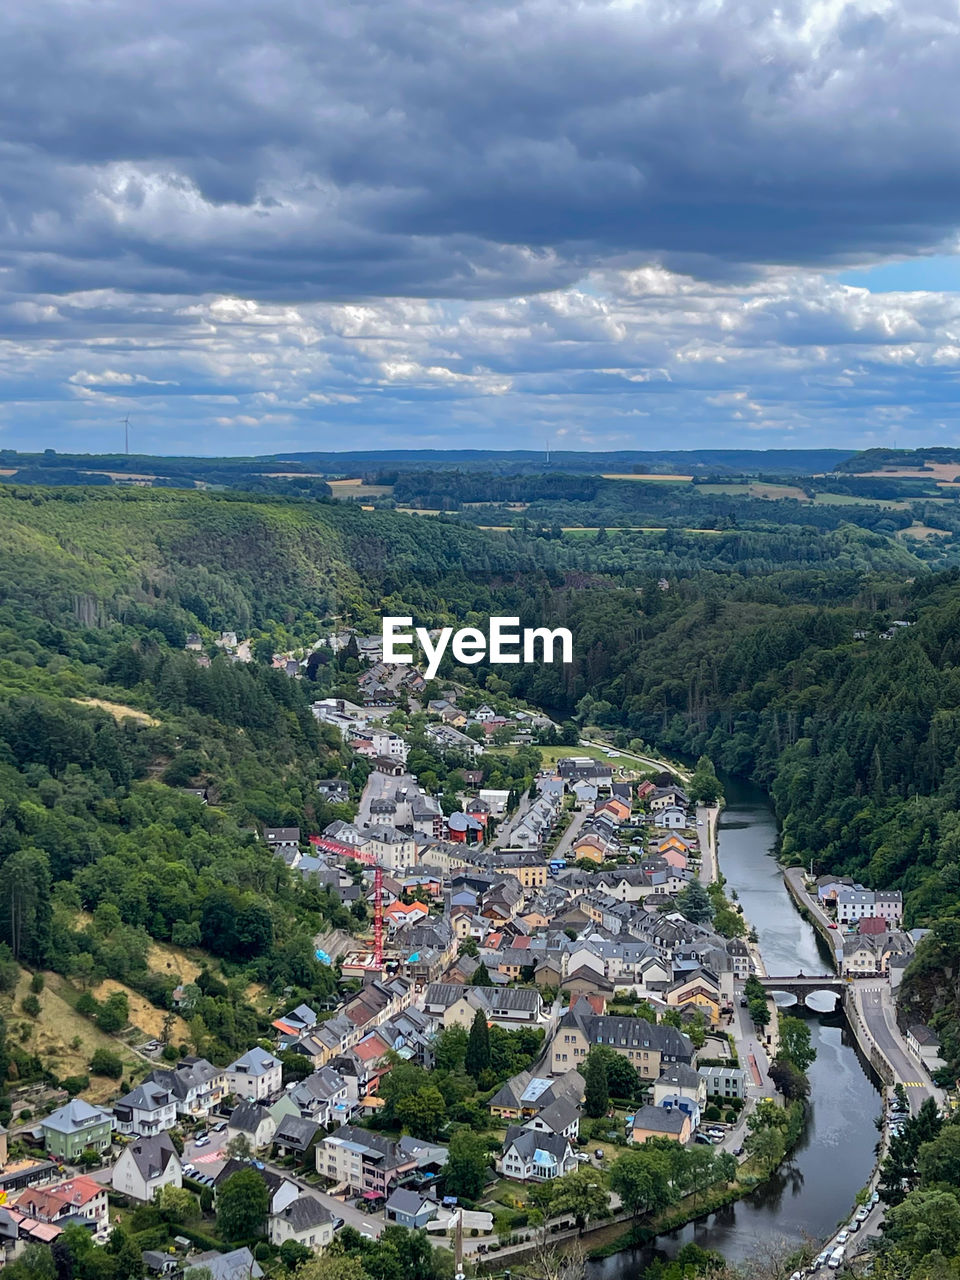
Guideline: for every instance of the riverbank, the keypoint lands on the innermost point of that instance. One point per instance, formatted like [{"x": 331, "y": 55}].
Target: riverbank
[{"x": 694, "y": 1207}]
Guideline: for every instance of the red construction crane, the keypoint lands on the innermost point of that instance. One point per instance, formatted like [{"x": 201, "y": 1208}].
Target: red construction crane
[{"x": 349, "y": 851}]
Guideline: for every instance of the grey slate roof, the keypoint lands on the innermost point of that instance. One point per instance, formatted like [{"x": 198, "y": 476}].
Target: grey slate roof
[
  {"x": 681, "y": 1075},
  {"x": 526, "y": 1141},
  {"x": 247, "y": 1117},
  {"x": 294, "y": 1131},
  {"x": 305, "y": 1212},
  {"x": 152, "y": 1155},
  {"x": 238, "y": 1264},
  {"x": 75, "y": 1117},
  {"x": 660, "y": 1119},
  {"x": 149, "y": 1096},
  {"x": 410, "y": 1202}
]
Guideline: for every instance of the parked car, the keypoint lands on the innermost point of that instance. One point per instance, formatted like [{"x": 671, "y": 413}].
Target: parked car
[
  {"x": 863, "y": 1213},
  {"x": 831, "y": 925},
  {"x": 218, "y": 1127},
  {"x": 599, "y": 1153},
  {"x": 875, "y": 1198},
  {"x": 836, "y": 1259},
  {"x": 843, "y": 1237},
  {"x": 337, "y": 1224},
  {"x": 738, "y": 1151},
  {"x": 855, "y": 1225},
  {"x": 582, "y": 1157},
  {"x": 202, "y": 1140}
]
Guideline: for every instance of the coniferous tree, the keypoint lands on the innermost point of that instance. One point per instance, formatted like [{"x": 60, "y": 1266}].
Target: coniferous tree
[
  {"x": 478, "y": 1046},
  {"x": 596, "y": 1087}
]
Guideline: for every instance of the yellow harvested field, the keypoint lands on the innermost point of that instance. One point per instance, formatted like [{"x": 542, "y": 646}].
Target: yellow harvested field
[
  {"x": 143, "y": 1014},
  {"x": 165, "y": 959},
  {"x": 617, "y": 475},
  {"x": 117, "y": 710},
  {"x": 55, "y": 1031},
  {"x": 932, "y": 471},
  {"x": 419, "y": 511}
]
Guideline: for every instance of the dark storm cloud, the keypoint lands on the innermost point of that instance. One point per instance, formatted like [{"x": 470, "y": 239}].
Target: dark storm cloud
[{"x": 463, "y": 149}]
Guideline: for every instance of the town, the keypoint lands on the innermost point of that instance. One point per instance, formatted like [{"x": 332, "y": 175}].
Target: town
[{"x": 550, "y": 968}]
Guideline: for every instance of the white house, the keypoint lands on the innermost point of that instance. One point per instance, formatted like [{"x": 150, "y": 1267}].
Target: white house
[
  {"x": 252, "y": 1121},
  {"x": 145, "y": 1166},
  {"x": 529, "y": 1156},
  {"x": 305, "y": 1220},
  {"x": 671, "y": 818},
  {"x": 147, "y": 1110},
  {"x": 257, "y": 1074}
]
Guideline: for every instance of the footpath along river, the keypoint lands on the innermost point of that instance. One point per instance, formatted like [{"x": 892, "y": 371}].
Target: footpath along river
[{"x": 816, "y": 1186}]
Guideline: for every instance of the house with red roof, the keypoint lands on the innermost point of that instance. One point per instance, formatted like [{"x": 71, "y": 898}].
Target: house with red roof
[{"x": 79, "y": 1199}]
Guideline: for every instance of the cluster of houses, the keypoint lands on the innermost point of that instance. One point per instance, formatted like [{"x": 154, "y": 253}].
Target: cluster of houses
[{"x": 869, "y": 922}]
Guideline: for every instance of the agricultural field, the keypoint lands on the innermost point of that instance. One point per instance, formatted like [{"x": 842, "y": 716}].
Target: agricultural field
[
  {"x": 851, "y": 500},
  {"x": 355, "y": 488},
  {"x": 647, "y": 476},
  {"x": 756, "y": 489}
]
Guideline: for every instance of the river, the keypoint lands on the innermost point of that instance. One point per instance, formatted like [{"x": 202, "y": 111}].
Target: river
[{"x": 816, "y": 1187}]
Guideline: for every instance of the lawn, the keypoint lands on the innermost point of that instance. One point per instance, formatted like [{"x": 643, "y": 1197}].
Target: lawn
[{"x": 552, "y": 754}]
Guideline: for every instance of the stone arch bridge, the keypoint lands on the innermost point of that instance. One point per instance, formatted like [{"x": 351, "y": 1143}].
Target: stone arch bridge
[{"x": 801, "y": 985}]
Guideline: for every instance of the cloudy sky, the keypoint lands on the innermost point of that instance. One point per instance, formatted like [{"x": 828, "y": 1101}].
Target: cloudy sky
[{"x": 258, "y": 227}]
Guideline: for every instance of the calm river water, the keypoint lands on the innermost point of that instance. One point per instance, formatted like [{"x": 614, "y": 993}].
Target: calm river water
[{"x": 816, "y": 1187}]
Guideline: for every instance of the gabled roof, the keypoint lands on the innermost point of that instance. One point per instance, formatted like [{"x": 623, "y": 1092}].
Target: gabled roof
[
  {"x": 152, "y": 1155},
  {"x": 409, "y": 1202},
  {"x": 248, "y": 1116},
  {"x": 526, "y": 1142},
  {"x": 238, "y": 1264},
  {"x": 305, "y": 1212},
  {"x": 293, "y": 1131},
  {"x": 559, "y": 1115}
]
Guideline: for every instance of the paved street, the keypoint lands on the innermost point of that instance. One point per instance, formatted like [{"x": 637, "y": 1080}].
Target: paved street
[
  {"x": 707, "y": 832},
  {"x": 569, "y": 836},
  {"x": 505, "y": 830},
  {"x": 795, "y": 876},
  {"x": 875, "y": 1004}
]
